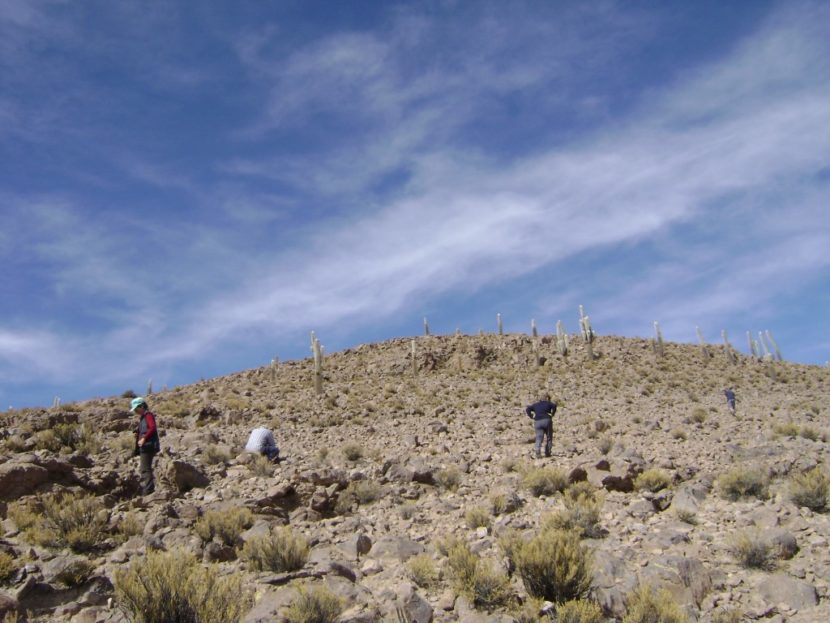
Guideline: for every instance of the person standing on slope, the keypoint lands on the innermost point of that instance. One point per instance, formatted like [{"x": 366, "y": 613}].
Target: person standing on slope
[
  {"x": 541, "y": 413},
  {"x": 730, "y": 399},
  {"x": 147, "y": 443}
]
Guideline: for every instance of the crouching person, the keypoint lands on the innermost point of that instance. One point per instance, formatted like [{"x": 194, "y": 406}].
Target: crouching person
[
  {"x": 261, "y": 441},
  {"x": 147, "y": 443}
]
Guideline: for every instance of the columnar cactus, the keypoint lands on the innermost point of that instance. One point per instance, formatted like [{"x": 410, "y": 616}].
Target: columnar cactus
[
  {"x": 657, "y": 343},
  {"x": 499, "y": 325},
  {"x": 149, "y": 387},
  {"x": 561, "y": 338},
  {"x": 763, "y": 342},
  {"x": 274, "y": 363},
  {"x": 774, "y": 345},
  {"x": 730, "y": 352},
  {"x": 56, "y": 402},
  {"x": 703, "y": 349},
  {"x": 753, "y": 346},
  {"x": 317, "y": 351},
  {"x": 533, "y": 330},
  {"x": 426, "y": 326}
]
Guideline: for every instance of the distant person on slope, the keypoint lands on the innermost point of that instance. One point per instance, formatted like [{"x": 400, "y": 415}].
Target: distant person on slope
[
  {"x": 541, "y": 413},
  {"x": 730, "y": 399},
  {"x": 261, "y": 441},
  {"x": 147, "y": 443}
]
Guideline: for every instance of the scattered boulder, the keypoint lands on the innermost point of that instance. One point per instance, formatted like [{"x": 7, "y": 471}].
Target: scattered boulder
[{"x": 183, "y": 476}]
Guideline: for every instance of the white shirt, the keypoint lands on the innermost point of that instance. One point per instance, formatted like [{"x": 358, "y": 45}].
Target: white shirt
[{"x": 260, "y": 439}]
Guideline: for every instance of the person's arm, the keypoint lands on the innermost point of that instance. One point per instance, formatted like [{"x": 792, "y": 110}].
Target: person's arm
[{"x": 529, "y": 411}]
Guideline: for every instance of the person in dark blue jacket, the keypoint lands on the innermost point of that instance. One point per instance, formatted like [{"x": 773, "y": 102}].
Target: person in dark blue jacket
[{"x": 541, "y": 413}]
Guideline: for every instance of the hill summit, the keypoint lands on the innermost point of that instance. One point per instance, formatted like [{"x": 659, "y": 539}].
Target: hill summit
[{"x": 408, "y": 491}]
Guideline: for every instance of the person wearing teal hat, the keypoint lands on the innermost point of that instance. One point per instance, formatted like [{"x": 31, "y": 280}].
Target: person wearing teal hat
[{"x": 147, "y": 443}]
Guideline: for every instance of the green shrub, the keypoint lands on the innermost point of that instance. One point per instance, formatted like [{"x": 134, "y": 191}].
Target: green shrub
[
  {"x": 811, "y": 489},
  {"x": 448, "y": 478},
  {"x": 544, "y": 480},
  {"x": 462, "y": 562},
  {"x": 172, "y": 587},
  {"x": 48, "y": 440},
  {"x": 8, "y": 567},
  {"x": 555, "y": 566},
  {"x": 579, "y": 611},
  {"x": 652, "y": 480},
  {"x": 319, "y": 605},
  {"x": 14, "y": 444},
  {"x": 226, "y": 525},
  {"x": 352, "y": 452},
  {"x": 279, "y": 551},
  {"x": 477, "y": 517},
  {"x": 422, "y": 570},
  {"x": 509, "y": 542},
  {"x": 743, "y": 482},
  {"x": 646, "y": 606},
  {"x": 754, "y": 552}
]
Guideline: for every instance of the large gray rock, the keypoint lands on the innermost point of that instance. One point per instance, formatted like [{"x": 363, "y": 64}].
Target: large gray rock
[
  {"x": 18, "y": 479},
  {"x": 780, "y": 588},
  {"x": 183, "y": 476},
  {"x": 396, "y": 547}
]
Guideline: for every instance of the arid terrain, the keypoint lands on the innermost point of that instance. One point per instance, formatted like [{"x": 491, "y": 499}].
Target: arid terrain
[{"x": 397, "y": 476}]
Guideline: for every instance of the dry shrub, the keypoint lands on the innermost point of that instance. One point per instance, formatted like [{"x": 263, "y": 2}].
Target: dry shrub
[
  {"x": 579, "y": 611},
  {"x": 581, "y": 514},
  {"x": 214, "y": 455},
  {"x": 679, "y": 434},
  {"x": 753, "y": 551},
  {"x": 727, "y": 615},
  {"x": 811, "y": 489},
  {"x": 544, "y": 480},
  {"x": 647, "y": 606},
  {"x": 261, "y": 466},
  {"x": 787, "y": 429},
  {"x": 8, "y": 567},
  {"x": 319, "y": 605},
  {"x": 422, "y": 570},
  {"x": 407, "y": 510},
  {"x": 352, "y": 452},
  {"x": 743, "y": 482},
  {"x": 477, "y": 517},
  {"x": 76, "y": 573},
  {"x": 129, "y": 526},
  {"x": 15, "y": 444},
  {"x": 555, "y": 566},
  {"x": 358, "y": 492},
  {"x": 808, "y": 432},
  {"x": 698, "y": 415},
  {"x": 279, "y": 551},
  {"x": 48, "y": 440},
  {"x": 605, "y": 444},
  {"x": 485, "y": 587},
  {"x": 652, "y": 480},
  {"x": 448, "y": 478},
  {"x": 172, "y": 587},
  {"x": 227, "y": 525},
  {"x": 78, "y": 522}
]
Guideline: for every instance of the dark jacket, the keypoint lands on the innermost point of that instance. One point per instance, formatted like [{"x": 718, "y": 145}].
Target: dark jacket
[
  {"x": 541, "y": 410},
  {"x": 147, "y": 430}
]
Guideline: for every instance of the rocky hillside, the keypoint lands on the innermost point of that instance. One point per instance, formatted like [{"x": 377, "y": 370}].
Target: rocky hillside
[{"x": 397, "y": 478}]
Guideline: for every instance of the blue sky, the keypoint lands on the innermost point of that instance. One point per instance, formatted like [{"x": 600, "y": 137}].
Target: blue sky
[{"x": 187, "y": 189}]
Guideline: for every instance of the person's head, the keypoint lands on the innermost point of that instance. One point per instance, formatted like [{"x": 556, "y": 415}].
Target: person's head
[
  {"x": 138, "y": 405},
  {"x": 545, "y": 396}
]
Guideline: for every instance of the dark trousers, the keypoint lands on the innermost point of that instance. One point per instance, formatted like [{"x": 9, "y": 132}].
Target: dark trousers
[
  {"x": 148, "y": 484},
  {"x": 543, "y": 429}
]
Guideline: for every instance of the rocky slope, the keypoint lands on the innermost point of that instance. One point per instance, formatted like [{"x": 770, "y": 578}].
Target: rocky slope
[{"x": 432, "y": 445}]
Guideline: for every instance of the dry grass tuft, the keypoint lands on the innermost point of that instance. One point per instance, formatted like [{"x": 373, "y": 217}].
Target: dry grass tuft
[
  {"x": 555, "y": 566},
  {"x": 742, "y": 482},
  {"x": 544, "y": 480},
  {"x": 282, "y": 550},
  {"x": 168, "y": 587},
  {"x": 811, "y": 489},
  {"x": 319, "y": 605},
  {"x": 647, "y": 606},
  {"x": 225, "y": 525}
]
